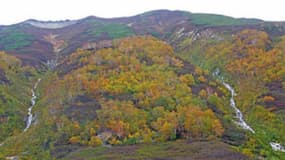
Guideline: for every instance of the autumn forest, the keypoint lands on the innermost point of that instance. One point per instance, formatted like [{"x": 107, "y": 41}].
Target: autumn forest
[{"x": 163, "y": 84}]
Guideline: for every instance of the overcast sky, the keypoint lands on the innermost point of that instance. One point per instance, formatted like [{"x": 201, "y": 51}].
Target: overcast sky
[{"x": 14, "y": 11}]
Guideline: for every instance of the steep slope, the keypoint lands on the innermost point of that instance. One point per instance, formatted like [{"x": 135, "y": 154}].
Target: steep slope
[
  {"x": 142, "y": 81},
  {"x": 135, "y": 91},
  {"x": 254, "y": 63},
  {"x": 14, "y": 89}
]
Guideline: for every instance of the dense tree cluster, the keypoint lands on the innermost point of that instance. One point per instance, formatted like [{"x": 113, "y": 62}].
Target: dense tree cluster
[
  {"x": 255, "y": 59},
  {"x": 141, "y": 97}
]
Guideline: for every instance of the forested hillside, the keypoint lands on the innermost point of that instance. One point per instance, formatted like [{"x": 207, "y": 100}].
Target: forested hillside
[{"x": 163, "y": 84}]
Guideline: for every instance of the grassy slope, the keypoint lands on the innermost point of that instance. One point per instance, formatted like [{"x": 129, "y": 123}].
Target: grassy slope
[
  {"x": 175, "y": 150},
  {"x": 13, "y": 38},
  {"x": 112, "y": 30},
  {"x": 219, "y": 20}
]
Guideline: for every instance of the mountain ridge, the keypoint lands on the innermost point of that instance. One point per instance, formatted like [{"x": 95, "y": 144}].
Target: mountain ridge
[
  {"x": 157, "y": 23},
  {"x": 132, "y": 85},
  {"x": 138, "y": 14}
]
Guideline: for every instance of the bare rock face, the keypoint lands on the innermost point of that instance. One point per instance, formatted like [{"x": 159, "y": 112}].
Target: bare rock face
[
  {"x": 97, "y": 45},
  {"x": 105, "y": 136},
  {"x": 12, "y": 158},
  {"x": 58, "y": 45}
]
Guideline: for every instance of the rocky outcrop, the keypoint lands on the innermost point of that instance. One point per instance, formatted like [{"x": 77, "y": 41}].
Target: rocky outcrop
[
  {"x": 97, "y": 45},
  {"x": 58, "y": 45}
]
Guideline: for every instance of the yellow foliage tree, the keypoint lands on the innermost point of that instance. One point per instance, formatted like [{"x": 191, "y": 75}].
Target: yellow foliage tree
[
  {"x": 75, "y": 139},
  {"x": 268, "y": 98},
  {"x": 202, "y": 79},
  {"x": 203, "y": 93},
  {"x": 187, "y": 78},
  {"x": 95, "y": 141}
]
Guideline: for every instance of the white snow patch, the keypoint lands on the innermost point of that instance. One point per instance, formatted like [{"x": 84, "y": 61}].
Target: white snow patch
[{"x": 50, "y": 25}]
